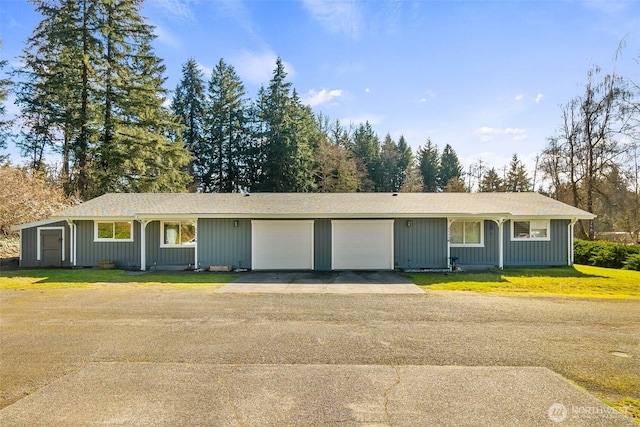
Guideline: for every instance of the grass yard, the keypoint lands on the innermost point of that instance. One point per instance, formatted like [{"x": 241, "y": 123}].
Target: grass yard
[
  {"x": 67, "y": 278},
  {"x": 575, "y": 281}
]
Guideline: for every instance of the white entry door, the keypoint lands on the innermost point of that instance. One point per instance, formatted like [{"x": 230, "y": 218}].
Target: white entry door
[
  {"x": 362, "y": 244},
  {"x": 282, "y": 245}
]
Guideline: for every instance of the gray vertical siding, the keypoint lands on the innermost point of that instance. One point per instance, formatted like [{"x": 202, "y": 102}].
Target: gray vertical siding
[
  {"x": 90, "y": 253},
  {"x": 487, "y": 256},
  {"x": 174, "y": 257},
  {"x": 220, "y": 243},
  {"x": 322, "y": 244},
  {"x": 29, "y": 245},
  {"x": 423, "y": 245},
  {"x": 538, "y": 253}
]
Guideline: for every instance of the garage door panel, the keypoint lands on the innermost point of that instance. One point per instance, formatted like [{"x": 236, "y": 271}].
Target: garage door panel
[
  {"x": 362, "y": 244},
  {"x": 282, "y": 245}
]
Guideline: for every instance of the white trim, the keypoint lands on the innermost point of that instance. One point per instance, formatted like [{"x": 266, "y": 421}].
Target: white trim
[
  {"x": 107, "y": 221},
  {"x": 179, "y": 221},
  {"x": 39, "y": 244},
  {"x": 73, "y": 234},
  {"x": 469, "y": 245},
  {"x": 500, "y": 222},
  {"x": 570, "y": 247},
  {"x": 34, "y": 224},
  {"x": 143, "y": 243},
  {"x": 21, "y": 245},
  {"x": 530, "y": 239}
]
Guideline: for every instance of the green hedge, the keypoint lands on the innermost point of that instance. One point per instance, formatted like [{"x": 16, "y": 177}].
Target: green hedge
[{"x": 607, "y": 254}]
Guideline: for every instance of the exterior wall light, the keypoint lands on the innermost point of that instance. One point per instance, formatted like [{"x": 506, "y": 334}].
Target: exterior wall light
[
  {"x": 235, "y": 223},
  {"x": 408, "y": 223}
]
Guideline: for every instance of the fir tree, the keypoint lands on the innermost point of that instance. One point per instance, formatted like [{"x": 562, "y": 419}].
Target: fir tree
[
  {"x": 517, "y": 179},
  {"x": 188, "y": 105},
  {"x": 450, "y": 167},
  {"x": 429, "y": 165},
  {"x": 221, "y": 156},
  {"x": 366, "y": 148},
  {"x": 491, "y": 182}
]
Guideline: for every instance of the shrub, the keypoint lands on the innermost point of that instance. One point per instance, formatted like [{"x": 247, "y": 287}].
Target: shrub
[
  {"x": 603, "y": 254},
  {"x": 632, "y": 262}
]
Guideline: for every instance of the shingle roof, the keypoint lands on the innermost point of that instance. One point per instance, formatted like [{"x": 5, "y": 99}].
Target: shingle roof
[{"x": 321, "y": 205}]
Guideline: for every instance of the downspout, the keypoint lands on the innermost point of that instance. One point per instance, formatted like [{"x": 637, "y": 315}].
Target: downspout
[
  {"x": 143, "y": 244},
  {"x": 570, "y": 247}
]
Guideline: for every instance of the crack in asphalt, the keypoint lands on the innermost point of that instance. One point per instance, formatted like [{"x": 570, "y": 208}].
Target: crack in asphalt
[
  {"x": 386, "y": 395},
  {"x": 234, "y": 408}
]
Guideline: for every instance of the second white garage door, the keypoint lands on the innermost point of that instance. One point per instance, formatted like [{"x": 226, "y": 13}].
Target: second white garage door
[
  {"x": 282, "y": 245},
  {"x": 362, "y": 244}
]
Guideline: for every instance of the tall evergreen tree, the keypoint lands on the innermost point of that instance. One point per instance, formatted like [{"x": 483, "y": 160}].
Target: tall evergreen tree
[
  {"x": 366, "y": 148},
  {"x": 188, "y": 105},
  {"x": 221, "y": 157},
  {"x": 517, "y": 179},
  {"x": 450, "y": 167},
  {"x": 287, "y": 127},
  {"x": 491, "y": 182},
  {"x": 92, "y": 89},
  {"x": 429, "y": 165},
  {"x": 390, "y": 173}
]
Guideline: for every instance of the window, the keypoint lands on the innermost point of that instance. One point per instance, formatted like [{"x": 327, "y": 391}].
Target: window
[
  {"x": 530, "y": 230},
  {"x": 178, "y": 233},
  {"x": 466, "y": 233},
  {"x": 113, "y": 231}
]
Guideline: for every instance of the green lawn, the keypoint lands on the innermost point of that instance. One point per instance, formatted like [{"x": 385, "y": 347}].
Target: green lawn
[
  {"x": 578, "y": 281},
  {"x": 66, "y": 278}
]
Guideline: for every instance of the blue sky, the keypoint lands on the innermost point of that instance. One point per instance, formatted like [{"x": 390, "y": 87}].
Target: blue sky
[{"x": 486, "y": 77}]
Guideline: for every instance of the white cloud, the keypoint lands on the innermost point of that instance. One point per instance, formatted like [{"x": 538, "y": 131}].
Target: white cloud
[
  {"x": 518, "y": 97},
  {"x": 518, "y": 134},
  {"x": 373, "y": 119},
  {"x": 429, "y": 94},
  {"x": 207, "y": 71},
  {"x": 174, "y": 8},
  {"x": 324, "y": 96},
  {"x": 164, "y": 36},
  {"x": 257, "y": 68},
  {"x": 487, "y": 134},
  {"x": 336, "y": 16},
  {"x": 539, "y": 98}
]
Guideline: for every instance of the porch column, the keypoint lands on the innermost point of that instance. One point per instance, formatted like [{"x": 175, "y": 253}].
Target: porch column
[
  {"x": 570, "y": 247},
  {"x": 73, "y": 242},
  {"x": 143, "y": 243},
  {"x": 449, "y": 222},
  {"x": 500, "y": 222},
  {"x": 195, "y": 246}
]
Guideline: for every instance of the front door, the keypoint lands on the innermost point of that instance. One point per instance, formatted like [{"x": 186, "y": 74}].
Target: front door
[{"x": 51, "y": 248}]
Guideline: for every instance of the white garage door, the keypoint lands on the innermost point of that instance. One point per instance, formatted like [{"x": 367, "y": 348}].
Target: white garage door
[
  {"x": 362, "y": 244},
  {"x": 282, "y": 245}
]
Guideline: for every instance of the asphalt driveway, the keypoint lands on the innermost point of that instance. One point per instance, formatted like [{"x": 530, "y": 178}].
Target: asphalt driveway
[
  {"x": 127, "y": 355},
  {"x": 330, "y": 282}
]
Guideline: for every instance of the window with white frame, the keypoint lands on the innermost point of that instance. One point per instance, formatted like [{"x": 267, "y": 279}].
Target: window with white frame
[
  {"x": 113, "y": 231},
  {"x": 530, "y": 229},
  {"x": 177, "y": 233},
  {"x": 466, "y": 233}
]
